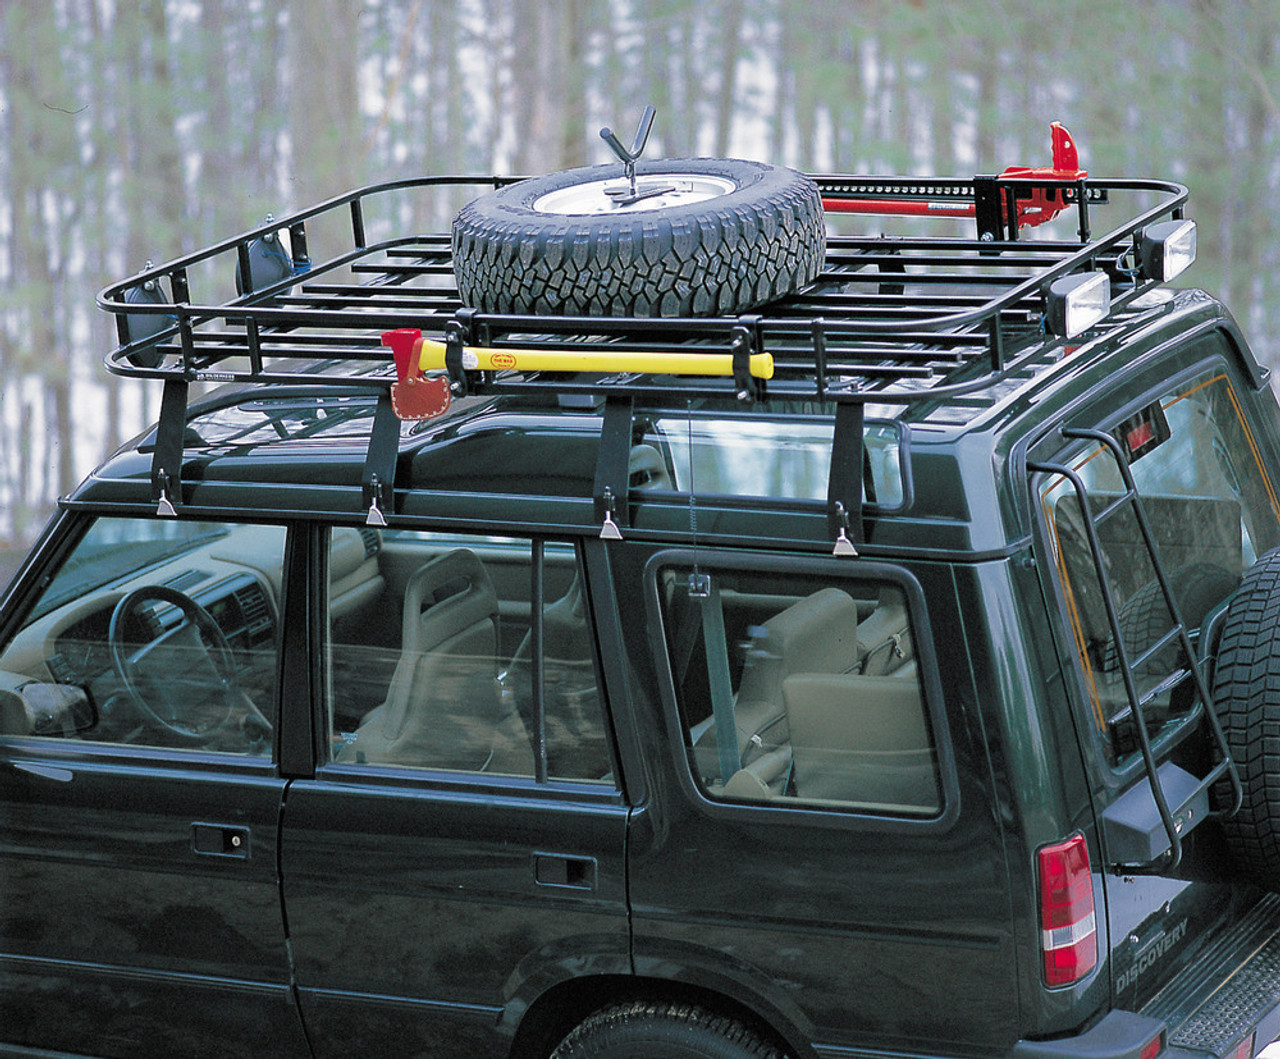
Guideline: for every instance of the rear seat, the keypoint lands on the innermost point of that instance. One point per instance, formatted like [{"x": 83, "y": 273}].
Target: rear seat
[
  {"x": 884, "y": 641},
  {"x": 815, "y": 635},
  {"x": 819, "y": 634},
  {"x": 861, "y": 740}
]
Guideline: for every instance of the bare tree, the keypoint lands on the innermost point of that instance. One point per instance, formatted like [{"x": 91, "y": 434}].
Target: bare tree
[{"x": 325, "y": 132}]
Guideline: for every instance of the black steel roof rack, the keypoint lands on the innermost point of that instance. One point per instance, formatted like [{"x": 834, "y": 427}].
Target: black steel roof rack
[{"x": 890, "y": 319}]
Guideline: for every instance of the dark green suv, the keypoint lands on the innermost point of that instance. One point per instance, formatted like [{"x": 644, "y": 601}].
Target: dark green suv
[{"x": 718, "y": 636}]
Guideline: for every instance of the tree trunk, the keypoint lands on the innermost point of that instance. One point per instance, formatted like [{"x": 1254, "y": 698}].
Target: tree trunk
[{"x": 324, "y": 114}]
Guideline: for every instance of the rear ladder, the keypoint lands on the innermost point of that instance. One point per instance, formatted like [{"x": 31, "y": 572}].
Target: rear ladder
[{"x": 1181, "y": 801}]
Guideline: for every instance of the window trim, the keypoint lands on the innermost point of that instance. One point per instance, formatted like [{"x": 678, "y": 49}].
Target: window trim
[{"x": 835, "y": 570}]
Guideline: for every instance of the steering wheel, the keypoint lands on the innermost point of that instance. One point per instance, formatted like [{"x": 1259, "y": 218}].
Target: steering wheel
[{"x": 185, "y": 679}]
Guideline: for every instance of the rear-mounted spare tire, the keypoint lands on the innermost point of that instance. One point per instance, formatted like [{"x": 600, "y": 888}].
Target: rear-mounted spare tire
[
  {"x": 727, "y": 236},
  {"x": 1246, "y": 694}
]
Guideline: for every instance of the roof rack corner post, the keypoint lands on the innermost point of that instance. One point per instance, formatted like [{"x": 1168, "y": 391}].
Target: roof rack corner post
[
  {"x": 744, "y": 342},
  {"x": 123, "y": 338},
  {"x": 987, "y": 209},
  {"x": 378, "y": 480},
  {"x": 613, "y": 467},
  {"x": 180, "y": 286},
  {"x": 298, "y": 247},
  {"x": 845, "y": 484},
  {"x": 244, "y": 266},
  {"x": 358, "y": 239},
  {"x": 166, "y": 457}
]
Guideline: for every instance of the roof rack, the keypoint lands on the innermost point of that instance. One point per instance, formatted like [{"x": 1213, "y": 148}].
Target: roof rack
[{"x": 976, "y": 314}]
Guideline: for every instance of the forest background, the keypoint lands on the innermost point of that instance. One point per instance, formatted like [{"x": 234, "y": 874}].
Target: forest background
[{"x": 138, "y": 130}]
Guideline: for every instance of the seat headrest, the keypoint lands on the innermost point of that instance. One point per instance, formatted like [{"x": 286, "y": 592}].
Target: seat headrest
[
  {"x": 447, "y": 595},
  {"x": 818, "y": 634},
  {"x": 347, "y": 553},
  {"x": 645, "y": 469}
]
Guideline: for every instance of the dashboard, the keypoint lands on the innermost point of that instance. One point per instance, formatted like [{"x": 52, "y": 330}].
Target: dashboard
[{"x": 238, "y": 604}]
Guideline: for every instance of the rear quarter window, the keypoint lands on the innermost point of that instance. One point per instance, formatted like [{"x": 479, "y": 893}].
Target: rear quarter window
[{"x": 795, "y": 689}]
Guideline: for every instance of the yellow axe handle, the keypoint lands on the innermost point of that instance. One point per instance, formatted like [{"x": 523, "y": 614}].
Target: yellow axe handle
[{"x": 476, "y": 358}]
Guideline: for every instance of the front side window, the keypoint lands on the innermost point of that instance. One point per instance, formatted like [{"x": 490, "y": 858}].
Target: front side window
[
  {"x": 799, "y": 689},
  {"x": 1212, "y": 511},
  {"x": 152, "y": 633},
  {"x": 463, "y": 653}
]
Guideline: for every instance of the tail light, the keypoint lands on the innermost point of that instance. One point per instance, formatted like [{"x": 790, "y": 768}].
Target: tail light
[{"x": 1068, "y": 930}]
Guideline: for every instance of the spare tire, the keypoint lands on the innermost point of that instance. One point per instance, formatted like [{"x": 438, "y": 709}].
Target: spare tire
[
  {"x": 1246, "y": 694},
  {"x": 1145, "y": 617},
  {"x": 728, "y": 235}
]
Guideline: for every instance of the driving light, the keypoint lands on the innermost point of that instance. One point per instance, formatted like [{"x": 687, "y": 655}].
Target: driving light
[
  {"x": 1077, "y": 302},
  {"x": 1167, "y": 249}
]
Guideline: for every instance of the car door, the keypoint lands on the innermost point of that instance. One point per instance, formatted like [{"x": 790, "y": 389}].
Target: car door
[
  {"x": 827, "y": 851},
  {"x": 460, "y": 849},
  {"x": 139, "y": 798}
]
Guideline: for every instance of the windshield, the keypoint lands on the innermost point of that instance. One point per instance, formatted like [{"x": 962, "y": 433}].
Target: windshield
[{"x": 116, "y": 547}]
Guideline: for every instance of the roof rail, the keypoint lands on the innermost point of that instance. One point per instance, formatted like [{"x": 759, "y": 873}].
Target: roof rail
[{"x": 852, "y": 335}]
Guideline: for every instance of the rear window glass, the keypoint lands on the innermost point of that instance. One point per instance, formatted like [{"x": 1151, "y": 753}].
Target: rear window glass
[{"x": 1212, "y": 511}]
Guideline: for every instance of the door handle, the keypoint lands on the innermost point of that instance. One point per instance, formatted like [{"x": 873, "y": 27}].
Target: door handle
[
  {"x": 564, "y": 871},
  {"x": 220, "y": 840}
]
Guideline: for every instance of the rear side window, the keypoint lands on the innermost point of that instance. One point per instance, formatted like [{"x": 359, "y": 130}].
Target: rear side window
[
  {"x": 789, "y": 456},
  {"x": 797, "y": 689}
]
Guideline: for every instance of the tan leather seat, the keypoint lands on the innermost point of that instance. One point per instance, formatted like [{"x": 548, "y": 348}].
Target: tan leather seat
[
  {"x": 814, "y": 634},
  {"x": 818, "y": 634},
  {"x": 862, "y": 741},
  {"x": 884, "y": 638},
  {"x": 443, "y": 708}
]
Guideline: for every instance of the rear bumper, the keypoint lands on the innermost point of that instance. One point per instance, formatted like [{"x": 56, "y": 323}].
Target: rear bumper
[
  {"x": 1229, "y": 993},
  {"x": 1120, "y": 1035}
]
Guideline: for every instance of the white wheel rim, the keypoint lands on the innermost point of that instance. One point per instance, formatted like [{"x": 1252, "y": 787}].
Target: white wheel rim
[{"x": 592, "y": 198}]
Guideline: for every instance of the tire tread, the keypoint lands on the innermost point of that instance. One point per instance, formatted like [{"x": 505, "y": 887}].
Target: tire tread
[
  {"x": 661, "y": 1029},
  {"x": 1246, "y": 695}
]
